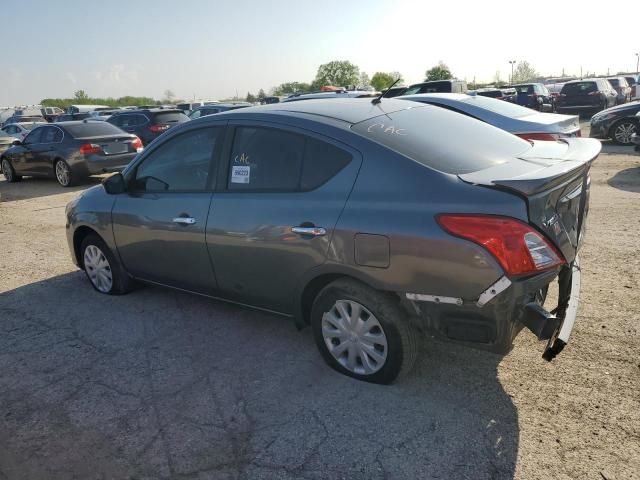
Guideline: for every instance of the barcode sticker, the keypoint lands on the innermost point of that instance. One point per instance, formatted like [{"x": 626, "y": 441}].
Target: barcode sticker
[{"x": 240, "y": 174}]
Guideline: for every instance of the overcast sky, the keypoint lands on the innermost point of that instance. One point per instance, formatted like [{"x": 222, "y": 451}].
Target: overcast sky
[{"x": 211, "y": 49}]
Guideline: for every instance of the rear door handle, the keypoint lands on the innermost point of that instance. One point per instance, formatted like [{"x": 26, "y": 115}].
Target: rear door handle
[
  {"x": 313, "y": 231},
  {"x": 184, "y": 220}
]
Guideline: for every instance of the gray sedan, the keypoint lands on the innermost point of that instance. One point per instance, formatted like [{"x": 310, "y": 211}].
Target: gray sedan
[
  {"x": 359, "y": 218},
  {"x": 524, "y": 122}
]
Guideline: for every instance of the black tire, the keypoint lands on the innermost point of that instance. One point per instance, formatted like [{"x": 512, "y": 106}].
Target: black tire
[
  {"x": 67, "y": 180},
  {"x": 8, "y": 171},
  {"x": 401, "y": 336},
  {"x": 121, "y": 282},
  {"x": 623, "y": 138}
]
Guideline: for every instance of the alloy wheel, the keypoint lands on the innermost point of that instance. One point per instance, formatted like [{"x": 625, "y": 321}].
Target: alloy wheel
[
  {"x": 623, "y": 132},
  {"x": 62, "y": 173},
  {"x": 354, "y": 337},
  {"x": 6, "y": 170},
  {"x": 98, "y": 269}
]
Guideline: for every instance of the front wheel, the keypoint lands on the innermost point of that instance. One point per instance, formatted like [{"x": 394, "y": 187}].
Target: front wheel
[
  {"x": 8, "y": 171},
  {"x": 363, "y": 333},
  {"x": 622, "y": 132},
  {"x": 103, "y": 269}
]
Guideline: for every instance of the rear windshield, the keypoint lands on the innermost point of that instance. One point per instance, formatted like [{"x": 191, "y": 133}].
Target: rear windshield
[
  {"x": 491, "y": 94},
  {"x": 424, "y": 135},
  {"x": 171, "y": 117},
  {"x": 614, "y": 81},
  {"x": 498, "y": 106},
  {"x": 579, "y": 88},
  {"x": 93, "y": 129},
  {"x": 631, "y": 81}
]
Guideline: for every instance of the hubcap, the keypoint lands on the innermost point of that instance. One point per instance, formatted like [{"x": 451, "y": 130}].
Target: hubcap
[
  {"x": 98, "y": 269},
  {"x": 354, "y": 337},
  {"x": 624, "y": 131},
  {"x": 6, "y": 170},
  {"x": 62, "y": 173}
]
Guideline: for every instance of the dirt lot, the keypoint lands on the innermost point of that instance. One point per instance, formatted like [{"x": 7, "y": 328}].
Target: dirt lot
[{"x": 161, "y": 384}]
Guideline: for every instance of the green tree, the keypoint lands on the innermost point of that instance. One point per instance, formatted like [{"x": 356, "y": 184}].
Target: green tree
[
  {"x": 381, "y": 80},
  {"x": 524, "y": 72},
  {"x": 438, "y": 72},
  {"x": 251, "y": 98},
  {"x": 261, "y": 94},
  {"x": 169, "y": 95},
  {"x": 291, "y": 87},
  {"x": 364, "y": 80},
  {"x": 339, "y": 73},
  {"x": 80, "y": 96}
]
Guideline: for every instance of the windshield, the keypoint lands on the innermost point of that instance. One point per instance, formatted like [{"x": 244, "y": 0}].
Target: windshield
[
  {"x": 500, "y": 107},
  {"x": 423, "y": 134}
]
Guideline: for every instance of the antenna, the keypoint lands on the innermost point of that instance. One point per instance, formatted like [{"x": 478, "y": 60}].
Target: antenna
[{"x": 378, "y": 99}]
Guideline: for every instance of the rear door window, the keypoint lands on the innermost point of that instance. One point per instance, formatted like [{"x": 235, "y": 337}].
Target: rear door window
[
  {"x": 51, "y": 135},
  {"x": 265, "y": 159},
  {"x": 322, "y": 161}
]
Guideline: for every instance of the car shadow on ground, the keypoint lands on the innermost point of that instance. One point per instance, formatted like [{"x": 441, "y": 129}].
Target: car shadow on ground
[
  {"x": 628, "y": 180},
  {"x": 165, "y": 384},
  {"x": 32, "y": 187}
]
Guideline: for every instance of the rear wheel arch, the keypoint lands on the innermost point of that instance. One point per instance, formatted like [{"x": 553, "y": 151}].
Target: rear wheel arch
[{"x": 313, "y": 286}]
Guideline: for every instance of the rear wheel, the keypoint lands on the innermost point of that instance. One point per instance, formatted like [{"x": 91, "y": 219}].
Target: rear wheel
[
  {"x": 8, "y": 171},
  {"x": 63, "y": 173},
  {"x": 622, "y": 131},
  {"x": 363, "y": 333},
  {"x": 103, "y": 269}
]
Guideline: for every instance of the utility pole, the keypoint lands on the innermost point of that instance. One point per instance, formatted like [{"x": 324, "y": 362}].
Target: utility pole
[
  {"x": 637, "y": 62},
  {"x": 512, "y": 62}
]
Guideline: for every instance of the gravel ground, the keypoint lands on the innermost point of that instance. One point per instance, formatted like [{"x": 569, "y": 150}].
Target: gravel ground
[{"x": 161, "y": 384}]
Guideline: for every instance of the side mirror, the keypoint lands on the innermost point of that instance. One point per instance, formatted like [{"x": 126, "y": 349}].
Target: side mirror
[
  {"x": 114, "y": 184},
  {"x": 16, "y": 143}
]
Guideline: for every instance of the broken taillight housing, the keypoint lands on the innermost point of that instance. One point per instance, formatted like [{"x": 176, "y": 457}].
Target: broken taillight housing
[{"x": 519, "y": 248}]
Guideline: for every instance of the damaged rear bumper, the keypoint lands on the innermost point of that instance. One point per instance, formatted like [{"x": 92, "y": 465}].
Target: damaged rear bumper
[{"x": 492, "y": 321}]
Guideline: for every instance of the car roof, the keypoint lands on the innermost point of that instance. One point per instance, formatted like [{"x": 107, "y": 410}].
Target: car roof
[
  {"x": 349, "y": 110},
  {"x": 451, "y": 96},
  {"x": 148, "y": 110}
]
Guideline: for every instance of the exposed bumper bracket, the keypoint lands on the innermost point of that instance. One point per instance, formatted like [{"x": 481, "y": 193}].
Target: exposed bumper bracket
[{"x": 490, "y": 293}]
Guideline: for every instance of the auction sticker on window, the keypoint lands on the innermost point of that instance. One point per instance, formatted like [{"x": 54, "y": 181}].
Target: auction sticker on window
[{"x": 240, "y": 174}]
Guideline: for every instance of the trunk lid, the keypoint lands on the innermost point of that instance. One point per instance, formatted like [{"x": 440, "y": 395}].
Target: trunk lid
[
  {"x": 553, "y": 177},
  {"x": 111, "y": 145}
]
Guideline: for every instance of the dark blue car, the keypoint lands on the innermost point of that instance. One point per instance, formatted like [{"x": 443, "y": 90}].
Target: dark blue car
[{"x": 534, "y": 95}]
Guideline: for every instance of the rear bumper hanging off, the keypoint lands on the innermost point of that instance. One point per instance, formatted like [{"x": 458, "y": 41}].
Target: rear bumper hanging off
[{"x": 567, "y": 310}]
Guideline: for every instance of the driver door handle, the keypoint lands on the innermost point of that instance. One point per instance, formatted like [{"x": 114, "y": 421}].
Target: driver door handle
[
  {"x": 184, "y": 220},
  {"x": 314, "y": 231}
]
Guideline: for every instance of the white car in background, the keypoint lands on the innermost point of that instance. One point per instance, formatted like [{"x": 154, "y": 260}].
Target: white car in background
[{"x": 21, "y": 129}]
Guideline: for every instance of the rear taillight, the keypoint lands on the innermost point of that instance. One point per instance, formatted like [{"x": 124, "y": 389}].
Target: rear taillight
[
  {"x": 159, "y": 128},
  {"x": 539, "y": 136},
  {"x": 88, "y": 148},
  {"x": 518, "y": 248},
  {"x": 137, "y": 144}
]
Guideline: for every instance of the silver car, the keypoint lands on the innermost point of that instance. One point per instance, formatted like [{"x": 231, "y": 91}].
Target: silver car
[{"x": 521, "y": 121}]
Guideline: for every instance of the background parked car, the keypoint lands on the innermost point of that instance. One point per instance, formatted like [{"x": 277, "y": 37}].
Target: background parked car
[
  {"x": 102, "y": 114},
  {"x": 437, "y": 86},
  {"x": 51, "y": 113},
  {"x": 508, "y": 95},
  {"x": 216, "y": 108},
  {"x": 148, "y": 124},
  {"x": 18, "y": 118},
  {"x": 5, "y": 141},
  {"x": 394, "y": 91},
  {"x": 632, "y": 81},
  {"x": 618, "y": 123},
  {"x": 21, "y": 130},
  {"x": 187, "y": 107},
  {"x": 331, "y": 95},
  {"x": 70, "y": 151},
  {"x": 534, "y": 95},
  {"x": 622, "y": 88},
  {"x": 67, "y": 117},
  {"x": 590, "y": 95},
  {"x": 85, "y": 108},
  {"x": 521, "y": 121}
]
